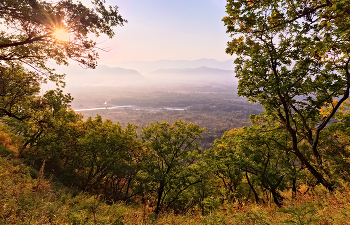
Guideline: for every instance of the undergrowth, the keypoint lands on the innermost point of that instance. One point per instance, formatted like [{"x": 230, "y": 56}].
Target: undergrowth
[{"x": 24, "y": 201}]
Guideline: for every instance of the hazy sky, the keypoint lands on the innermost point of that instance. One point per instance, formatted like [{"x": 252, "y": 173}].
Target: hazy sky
[{"x": 167, "y": 29}]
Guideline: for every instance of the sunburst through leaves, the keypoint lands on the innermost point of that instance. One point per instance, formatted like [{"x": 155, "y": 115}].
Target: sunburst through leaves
[{"x": 61, "y": 34}]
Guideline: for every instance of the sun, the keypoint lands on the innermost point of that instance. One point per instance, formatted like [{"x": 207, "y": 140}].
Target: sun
[{"x": 61, "y": 34}]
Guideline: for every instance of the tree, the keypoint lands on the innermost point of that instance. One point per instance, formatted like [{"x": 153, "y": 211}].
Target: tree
[
  {"x": 93, "y": 155},
  {"x": 293, "y": 58},
  {"x": 46, "y": 124},
  {"x": 170, "y": 153},
  {"x": 36, "y": 31},
  {"x": 18, "y": 90},
  {"x": 103, "y": 156},
  {"x": 251, "y": 158},
  {"x": 335, "y": 143},
  {"x": 32, "y": 33}
]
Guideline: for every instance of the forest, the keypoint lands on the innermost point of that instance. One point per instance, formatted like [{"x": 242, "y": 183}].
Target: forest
[
  {"x": 283, "y": 159},
  {"x": 217, "y": 108}
]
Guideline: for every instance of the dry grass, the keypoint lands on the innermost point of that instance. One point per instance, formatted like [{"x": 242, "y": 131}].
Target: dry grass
[
  {"x": 315, "y": 207},
  {"x": 21, "y": 203}
]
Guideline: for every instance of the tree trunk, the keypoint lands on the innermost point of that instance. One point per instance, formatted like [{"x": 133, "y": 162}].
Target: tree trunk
[
  {"x": 257, "y": 199},
  {"x": 277, "y": 197},
  {"x": 305, "y": 162},
  {"x": 313, "y": 171},
  {"x": 160, "y": 195}
]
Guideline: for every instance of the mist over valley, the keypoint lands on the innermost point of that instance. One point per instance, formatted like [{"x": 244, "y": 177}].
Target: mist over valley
[
  {"x": 198, "y": 93},
  {"x": 166, "y": 72}
]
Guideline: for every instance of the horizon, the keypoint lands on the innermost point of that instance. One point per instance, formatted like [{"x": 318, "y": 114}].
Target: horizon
[
  {"x": 159, "y": 30},
  {"x": 146, "y": 67},
  {"x": 159, "y": 35},
  {"x": 174, "y": 60}
]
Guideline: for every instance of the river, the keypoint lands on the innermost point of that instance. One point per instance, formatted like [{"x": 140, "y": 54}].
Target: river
[{"x": 135, "y": 108}]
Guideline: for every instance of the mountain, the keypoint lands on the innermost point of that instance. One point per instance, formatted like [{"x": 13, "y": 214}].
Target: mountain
[
  {"x": 147, "y": 67},
  {"x": 104, "y": 76},
  {"x": 194, "y": 75},
  {"x": 101, "y": 76}
]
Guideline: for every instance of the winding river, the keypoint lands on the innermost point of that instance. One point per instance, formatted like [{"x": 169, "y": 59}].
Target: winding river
[{"x": 135, "y": 108}]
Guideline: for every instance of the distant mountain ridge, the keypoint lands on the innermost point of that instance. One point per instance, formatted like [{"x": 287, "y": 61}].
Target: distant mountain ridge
[
  {"x": 145, "y": 67},
  {"x": 202, "y": 70},
  {"x": 101, "y": 76},
  {"x": 201, "y": 74},
  {"x": 117, "y": 76}
]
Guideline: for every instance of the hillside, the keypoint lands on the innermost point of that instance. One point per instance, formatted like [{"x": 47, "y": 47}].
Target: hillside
[
  {"x": 26, "y": 197},
  {"x": 101, "y": 76}
]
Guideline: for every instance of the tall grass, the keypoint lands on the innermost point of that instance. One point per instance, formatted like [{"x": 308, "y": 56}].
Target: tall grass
[{"x": 24, "y": 199}]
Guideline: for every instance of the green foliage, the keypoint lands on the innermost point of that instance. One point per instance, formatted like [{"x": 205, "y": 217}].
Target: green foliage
[
  {"x": 250, "y": 160},
  {"x": 44, "y": 129},
  {"x": 168, "y": 163},
  {"x": 293, "y": 59},
  {"x": 105, "y": 153},
  {"x": 20, "y": 204},
  {"x": 29, "y": 26},
  {"x": 335, "y": 144},
  {"x": 210, "y": 204},
  {"x": 27, "y": 38},
  {"x": 300, "y": 215},
  {"x": 92, "y": 155},
  {"x": 214, "y": 219},
  {"x": 18, "y": 90}
]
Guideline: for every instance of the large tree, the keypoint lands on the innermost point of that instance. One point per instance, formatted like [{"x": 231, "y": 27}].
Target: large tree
[
  {"x": 293, "y": 58},
  {"x": 34, "y": 31},
  {"x": 252, "y": 158},
  {"x": 168, "y": 161}
]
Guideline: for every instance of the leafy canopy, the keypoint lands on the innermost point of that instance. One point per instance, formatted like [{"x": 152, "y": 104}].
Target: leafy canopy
[
  {"x": 29, "y": 26},
  {"x": 168, "y": 161},
  {"x": 33, "y": 32},
  {"x": 293, "y": 58}
]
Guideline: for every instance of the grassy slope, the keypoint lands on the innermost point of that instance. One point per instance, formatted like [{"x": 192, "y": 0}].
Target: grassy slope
[
  {"x": 23, "y": 201},
  {"x": 27, "y": 198}
]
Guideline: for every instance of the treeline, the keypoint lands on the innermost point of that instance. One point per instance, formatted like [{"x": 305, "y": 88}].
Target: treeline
[
  {"x": 216, "y": 108},
  {"x": 216, "y": 122}
]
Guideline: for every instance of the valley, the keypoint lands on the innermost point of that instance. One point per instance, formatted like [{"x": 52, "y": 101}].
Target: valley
[{"x": 218, "y": 108}]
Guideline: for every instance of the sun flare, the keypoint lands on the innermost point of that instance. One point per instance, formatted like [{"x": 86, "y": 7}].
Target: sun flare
[{"x": 61, "y": 35}]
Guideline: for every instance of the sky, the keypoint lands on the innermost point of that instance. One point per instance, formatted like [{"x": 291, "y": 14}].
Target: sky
[{"x": 166, "y": 30}]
